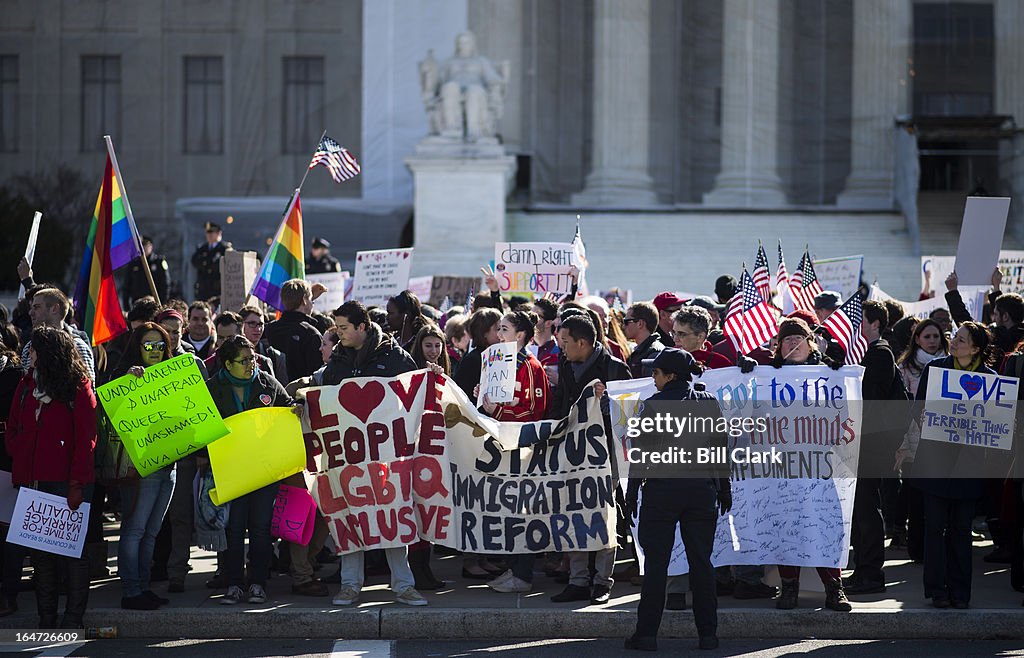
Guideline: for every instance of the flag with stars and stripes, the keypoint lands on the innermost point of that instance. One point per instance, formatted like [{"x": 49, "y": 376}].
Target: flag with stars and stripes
[
  {"x": 339, "y": 162},
  {"x": 750, "y": 322},
  {"x": 762, "y": 277},
  {"x": 844, "y": 325},
  {"x": 804, "y": 285},
  {"x": 781, "y": 275}
]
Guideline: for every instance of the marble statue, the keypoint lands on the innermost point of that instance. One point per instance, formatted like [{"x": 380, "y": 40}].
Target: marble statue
[{"x": 465, "y": 96}]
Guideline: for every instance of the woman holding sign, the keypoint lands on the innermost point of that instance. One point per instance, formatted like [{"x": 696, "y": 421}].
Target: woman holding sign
[
  {"x": 144, "y": 500},
  {"x": 238, "y": 387},
  {"x": 530, "y": 404},
  {"x": 949, "y": 501},
  {"x": 797, "y": 347},
  {"x": 51, "y": 438}
]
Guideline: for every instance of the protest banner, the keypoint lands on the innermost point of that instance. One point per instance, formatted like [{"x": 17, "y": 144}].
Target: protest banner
[
  {"x": 338, "y": 284},
  {"x": 534, "y": 268},
  {"x": 981, "y": 235},
  {"x": 411, "y": 457},
  {"x": 44, "y": 521},
  {"x": 840, "y": 274},
  {"x": 164, "y": 415},
  {"x": 421, "y": 286},
  {"x": 264, "y": 446},
  {"x": 30, "y": 246},
  {"x": 970, "y": 408},
  {"x": 380, "y": 275},
  {"x": 498, "y": 373},
  {"x": 972, "y": 296},
  {"x": 455, "y": 288},
  {"x": 797, "y": 512},
  {"x": 625, "y": 397},
  {"x": 1011, "y": 264},
  {"x": 238, "y": 270}
]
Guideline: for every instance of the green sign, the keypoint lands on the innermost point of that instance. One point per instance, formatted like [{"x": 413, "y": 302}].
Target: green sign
[{"x": 164, "y": 415}]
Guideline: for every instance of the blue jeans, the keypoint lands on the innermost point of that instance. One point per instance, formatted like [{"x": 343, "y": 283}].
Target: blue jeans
[
  {"x": 143, "y": 507},
  {"x": 398, "y": 562},
  {"x": 252, "y": 512}
]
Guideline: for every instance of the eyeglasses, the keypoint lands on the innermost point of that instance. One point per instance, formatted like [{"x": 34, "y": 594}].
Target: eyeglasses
[
  {"x": 243, "y": 362},
  {"x": 157, "y": 345},
  {"x": 255, "y": 324}
]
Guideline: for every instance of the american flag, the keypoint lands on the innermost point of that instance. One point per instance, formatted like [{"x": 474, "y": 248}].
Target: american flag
[
  {"x": 470, "y": 296},
  {"x": 781, "y": 275},
  {"x": 336, "y": 158},
  {"x": 750, "y": 322},
  {"x": 446, "y": 305},
  {"x": 762, "y": 278},
  {"x": 844, "y": 325},
  {"x": 804, "y": 286}
]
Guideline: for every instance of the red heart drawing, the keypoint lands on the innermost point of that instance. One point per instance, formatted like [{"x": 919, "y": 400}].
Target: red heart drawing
[
  {"x": 265, "y": 399},
  {"x": 405, "y": 255},
  {"x": 360, "y": 401}
]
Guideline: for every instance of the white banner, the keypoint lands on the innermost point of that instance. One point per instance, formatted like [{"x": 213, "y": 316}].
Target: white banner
[
  {"x": 339, "y": 286},
  {"x": 45, "y": 522}
]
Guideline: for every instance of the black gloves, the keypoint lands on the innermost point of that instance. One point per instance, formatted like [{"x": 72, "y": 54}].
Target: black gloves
[
  {"x": 745, "y": 363},
  {"x": 724, "y": 501},
  {"x": 632, "y": 498},
  {"x": 835, "y": 364}
]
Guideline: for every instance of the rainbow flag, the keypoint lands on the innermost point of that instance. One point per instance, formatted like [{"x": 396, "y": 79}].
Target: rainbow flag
[
  {"x": 285, "y": 259},
  {"x": 97, "y": 310}
]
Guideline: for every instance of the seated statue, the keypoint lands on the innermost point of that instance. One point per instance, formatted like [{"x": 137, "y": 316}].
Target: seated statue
[{"x": 465, "y": 97}]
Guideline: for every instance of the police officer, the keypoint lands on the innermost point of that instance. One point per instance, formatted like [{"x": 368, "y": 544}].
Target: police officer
[
  {"x": 689, "y": 497},
  {"x": 136, "y": 283},
  {"x": 206, "y": 260},
  {"x": 320, "y": 260}
]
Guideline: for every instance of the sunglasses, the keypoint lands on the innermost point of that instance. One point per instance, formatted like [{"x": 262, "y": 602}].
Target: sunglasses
[
  {"x": 157, "y": 345},
  {"x": 629, "y": 320}
]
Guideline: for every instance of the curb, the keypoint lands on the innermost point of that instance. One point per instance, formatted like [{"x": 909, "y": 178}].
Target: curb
[{"x": 463, "y": 623}]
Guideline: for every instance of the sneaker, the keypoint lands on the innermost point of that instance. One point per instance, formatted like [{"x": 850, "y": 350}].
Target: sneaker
[
  {"x": 256, "y": 594},
  {"x": 234, "y": 595},
  {"x": 600, "y": 595},
  {"x": 409, "y": 596},
  {"x": 505, "y": 575},
  {"x": 346, "y": 596},
  {"x": 509, "y": 585}
]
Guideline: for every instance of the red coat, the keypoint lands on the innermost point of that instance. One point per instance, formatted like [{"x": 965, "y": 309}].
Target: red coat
[
  {"x": 59, "y": 445},
  {"x": 531, "y": 401}
]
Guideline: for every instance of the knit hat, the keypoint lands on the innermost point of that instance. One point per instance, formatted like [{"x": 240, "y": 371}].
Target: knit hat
[
  {"x": 810, "y": 318},
  {"x": 793, "y": 327}
]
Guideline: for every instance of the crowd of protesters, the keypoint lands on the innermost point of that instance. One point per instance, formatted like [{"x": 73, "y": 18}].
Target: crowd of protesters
[{"x": 58, "y": 440}]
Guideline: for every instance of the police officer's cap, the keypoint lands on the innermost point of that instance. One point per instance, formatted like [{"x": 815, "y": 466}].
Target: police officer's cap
[
  {"x": 321, "y": 243},
  {"x": 673, "y": 361},
  {"x": 147, "y": 240},
  {"x": 213, "y": 227}
]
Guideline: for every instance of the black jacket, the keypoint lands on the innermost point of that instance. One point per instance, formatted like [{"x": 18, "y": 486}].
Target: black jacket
[
  {"x": 467, "y": 374},
  {"x": 323, "y": 265},
  {"x": 884, "y": 420},
  {"x": 1004, "y": 341},
  {"x": 294, "y": 335},
  {"x": 647, "y": 349},
  {"x": 277, "y": 358},
  {"x": 380, "y": 356},
  {"x": 601, "y": 366},
  {"x": 10, "y": 376}
]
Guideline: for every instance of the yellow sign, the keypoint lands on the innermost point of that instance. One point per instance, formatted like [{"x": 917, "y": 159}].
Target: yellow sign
[{"x": 264, "y": 446}]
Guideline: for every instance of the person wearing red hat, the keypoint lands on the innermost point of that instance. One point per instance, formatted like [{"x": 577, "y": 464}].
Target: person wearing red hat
[{"x": 667, "y": 304}]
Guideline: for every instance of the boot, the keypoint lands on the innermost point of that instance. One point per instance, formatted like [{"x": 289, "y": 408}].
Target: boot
[
  {"x": 96, "y": 554},
  {"x": 789, "y": 596},
  {"x": 44, "y": 567},
  {"x": 835, "y": 597},
  {"x": 419, "y": 563},
  {"x": 78, "y": 593}
]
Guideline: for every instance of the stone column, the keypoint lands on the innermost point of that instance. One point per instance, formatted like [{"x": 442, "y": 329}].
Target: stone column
[
  {"x": 881, "y": 91},
  {"x": 1009, "y": 16},
  {"x": 750, "y": 107},
  {"x": 622, "y": 79}
]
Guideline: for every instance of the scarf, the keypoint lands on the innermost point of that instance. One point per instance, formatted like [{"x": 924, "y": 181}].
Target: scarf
[
  {"x": 244, "y": 384},
  {"x": 921, "y": 358},
  {"x": 43, "y": 398},
  {"x": 972, "y": 367},
  {"x": 211, "y": 520}
]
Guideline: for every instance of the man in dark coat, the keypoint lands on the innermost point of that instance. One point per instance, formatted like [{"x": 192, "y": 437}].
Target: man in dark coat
[
  {"x": 878, "y": 439},
  {"x": 585, "y": 360},
  {"x": 320, "y": 260},
  {"x": 294, "y": 333},
  {"x": 363, "y": 349},
  {"x": 206, "y": 260},
  {"x": 640, "y": 325}
]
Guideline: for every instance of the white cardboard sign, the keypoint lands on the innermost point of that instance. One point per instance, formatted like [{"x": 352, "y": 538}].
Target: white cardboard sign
[
  {"x": 45, "y": 522},
  {"x": 380, "y": 275},
  {"x": 498, "y": 373},
  {"x": 981, "y": 235}
]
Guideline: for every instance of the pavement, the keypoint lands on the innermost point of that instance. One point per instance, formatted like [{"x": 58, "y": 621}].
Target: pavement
[{"x": 468, "y": 609}]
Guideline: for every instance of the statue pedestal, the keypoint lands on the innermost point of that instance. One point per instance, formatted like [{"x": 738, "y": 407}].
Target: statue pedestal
[{"x": 459, "y": 206}]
